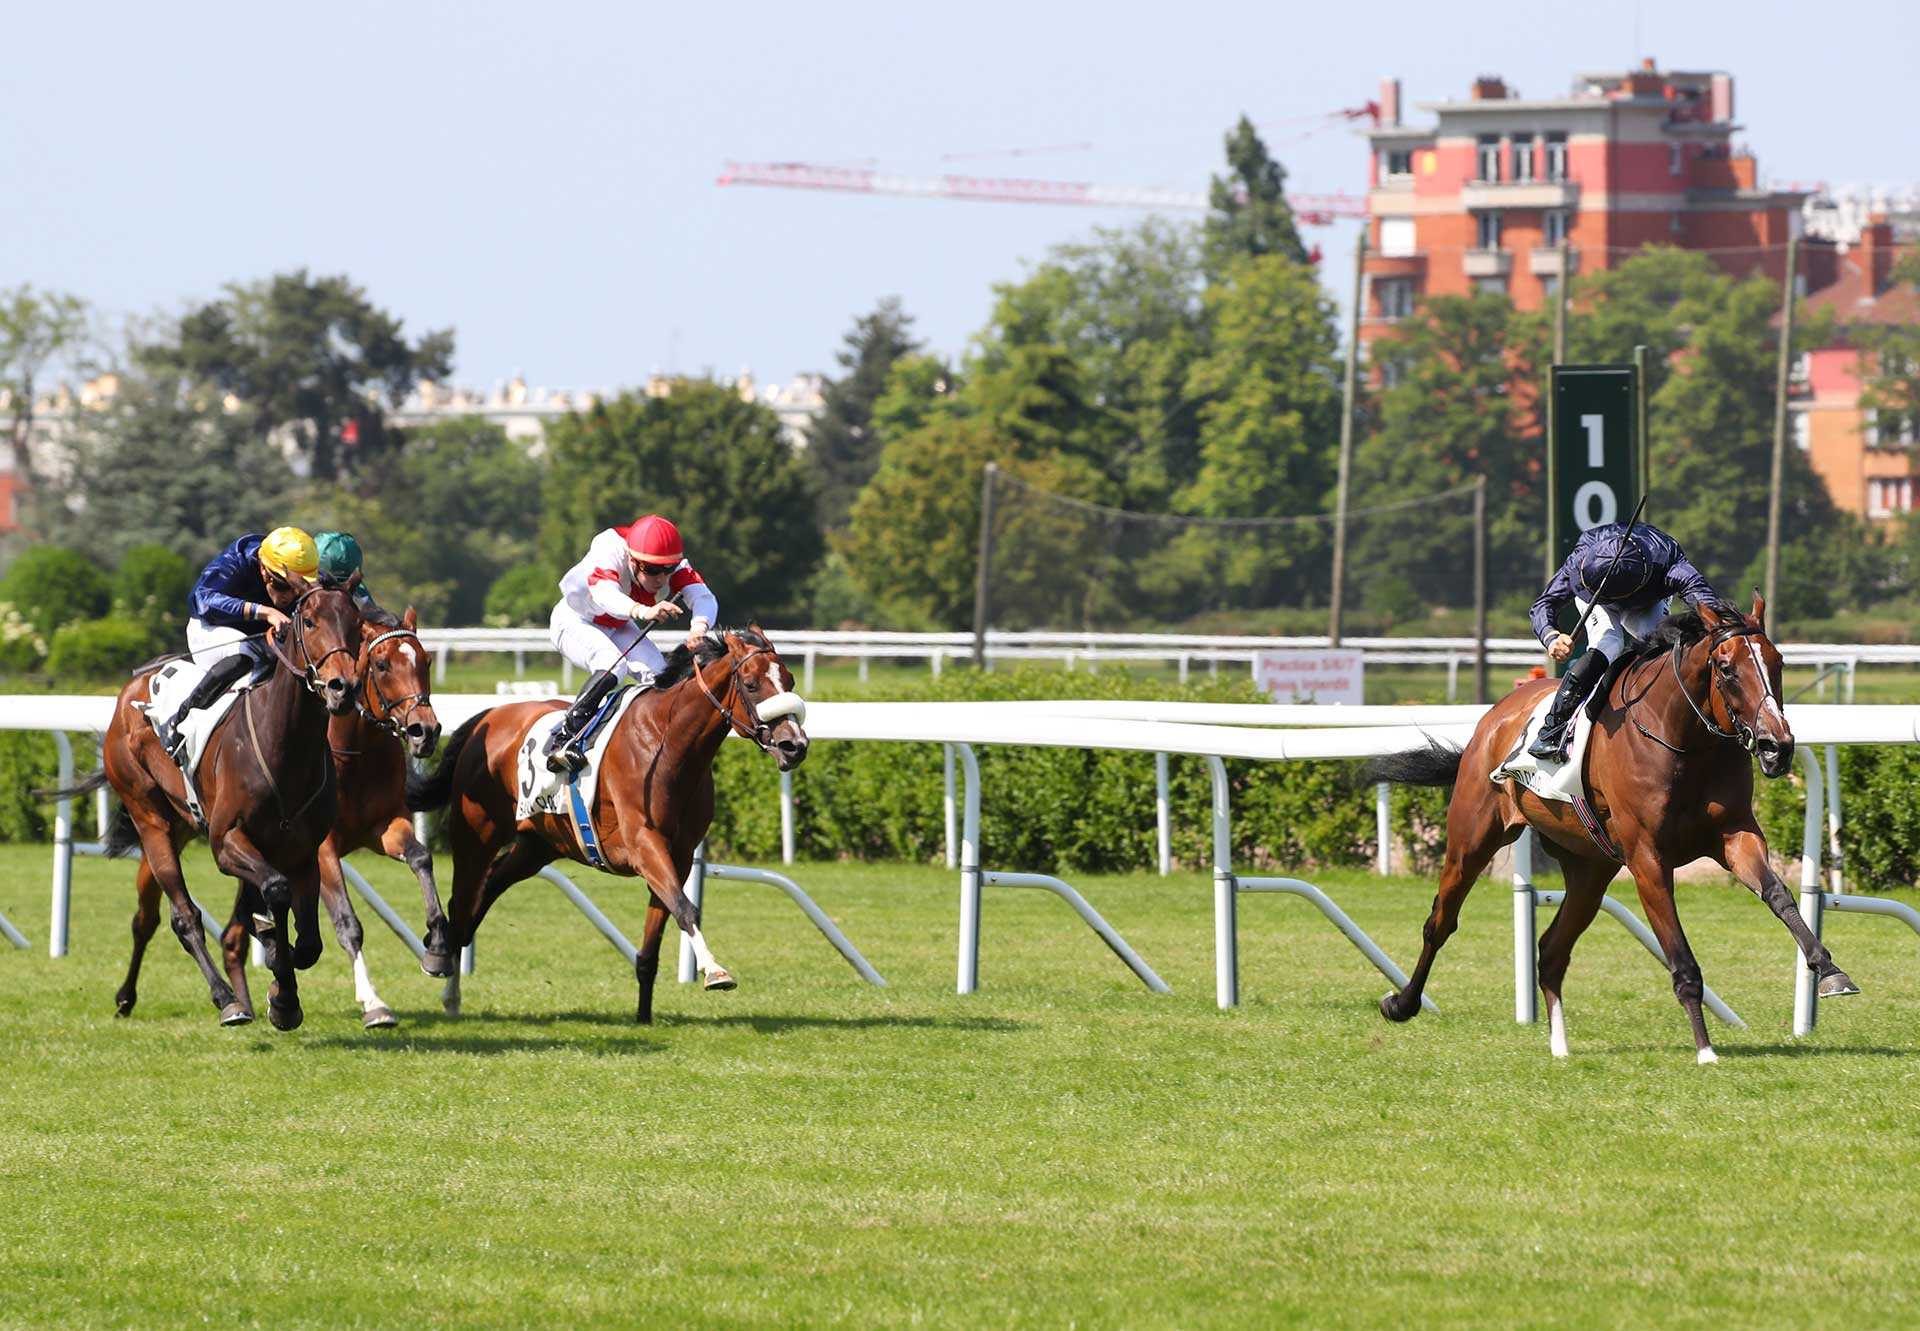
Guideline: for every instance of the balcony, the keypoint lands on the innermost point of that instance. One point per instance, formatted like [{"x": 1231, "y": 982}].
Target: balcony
[
  {"x": 1544, "y": 261},
  {"x": 1487, "y": 263},
  {"x": 1478, "y": 195}
]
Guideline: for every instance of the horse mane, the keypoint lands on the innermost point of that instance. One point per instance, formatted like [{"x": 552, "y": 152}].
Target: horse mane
[
  {"x": 682, "y": 660},
  {"x": 1688, "y": 627}
]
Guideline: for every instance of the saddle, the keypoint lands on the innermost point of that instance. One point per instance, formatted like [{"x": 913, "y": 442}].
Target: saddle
[
  {"x": 168, "y": 687},
  {"x": 543, "y": 792}
]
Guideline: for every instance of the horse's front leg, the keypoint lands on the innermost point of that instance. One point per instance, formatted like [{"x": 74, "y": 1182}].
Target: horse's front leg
[
  {"x": 1654, "y": 877},
  {"x": 1744, "y": 852},
  {"x": 398, "y": 842},
  {"x": 646, "y": 963},
  {"x": 654, "y": 857},
  {"x": 238, "y": 856},
  {"x": 374, "y": 1014}
]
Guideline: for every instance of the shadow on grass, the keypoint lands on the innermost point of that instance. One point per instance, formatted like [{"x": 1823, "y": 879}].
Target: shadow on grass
[
  {"x": 427, "y": 1032},
  {"x": 1811, "y": 1051}
]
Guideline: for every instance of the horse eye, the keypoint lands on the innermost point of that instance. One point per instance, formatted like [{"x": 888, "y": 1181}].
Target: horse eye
[
  {"x": 309, "y": 621},
  {"x": 382, "y": 666}
]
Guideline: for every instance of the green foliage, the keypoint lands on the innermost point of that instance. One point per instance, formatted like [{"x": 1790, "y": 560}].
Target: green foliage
[
  {"x": 523, "y": 595},
  {"x": 50, "y": 586},
  {"x": 1807, "y": 586},
  {"x": 718, "y": 466},
  {"x": 151, "y": 586},
  {"x": 1248, "y": 215},
  {"x": 38, "y": 329},
  {"x": 919, "y": 388},
  {"x": 22, "y": 646},
  {"x": 160, "y": 464},
  {"x": 308, "y": 354},
  {"x": 842, "y": 443},
  {"x": 1891, "y": 390},
  {"x": 103, "y": 648},
  {"x": 1880, "y": 829}
]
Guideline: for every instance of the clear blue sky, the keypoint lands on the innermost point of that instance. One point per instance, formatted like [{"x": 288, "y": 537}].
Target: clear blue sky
[{"x": 541, "y": 177}]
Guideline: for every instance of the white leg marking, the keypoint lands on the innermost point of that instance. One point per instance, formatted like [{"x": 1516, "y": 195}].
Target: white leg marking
[
  {"x": 363, "y": 986},
  {"x": 1556, "y": 1028},
  {"x": 1706, "y": 1056},
  {"x": 702, "y": 954}
]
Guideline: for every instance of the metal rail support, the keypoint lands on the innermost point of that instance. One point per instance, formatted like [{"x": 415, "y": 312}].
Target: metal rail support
[
  {"x": 1836, "y": 879},
  {"x": 1383, "y": 829},
  {"x": 62, "y": 851},
  {"x": 12, "y": 934},
  {"x": 948, "y": 812},
  {"x": 387, "y": 914},
  {"x": 584, "y": 904},
  {"x": 786, "y": 817},
  {"x": 1093, "y": 918},
  {"x": 1162, "y": 815},
  {"x": 696, "y": 890},
  {"x": 1632, "y": 924},
  {"x": 1227, "y": 887}
]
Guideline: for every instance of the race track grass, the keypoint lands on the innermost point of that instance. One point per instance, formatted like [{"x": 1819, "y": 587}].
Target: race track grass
[{"x": 1061, "y": 1148}]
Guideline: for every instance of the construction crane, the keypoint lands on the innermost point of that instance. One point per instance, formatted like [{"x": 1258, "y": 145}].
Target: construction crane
[{"x": 1317, "y": 209}]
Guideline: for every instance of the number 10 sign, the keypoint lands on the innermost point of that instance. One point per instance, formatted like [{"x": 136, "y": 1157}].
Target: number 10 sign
[{"x": 1594, "y": 464}]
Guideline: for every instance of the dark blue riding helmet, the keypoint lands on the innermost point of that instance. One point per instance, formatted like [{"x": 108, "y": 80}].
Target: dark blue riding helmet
[{"x": 1605, "y": 578}]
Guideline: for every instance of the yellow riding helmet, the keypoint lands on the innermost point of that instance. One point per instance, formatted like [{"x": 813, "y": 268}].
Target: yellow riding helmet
[{"x": 288, "y": 550}]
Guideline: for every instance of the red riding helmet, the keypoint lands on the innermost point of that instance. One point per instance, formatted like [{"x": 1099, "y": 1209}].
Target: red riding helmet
[{"x": 655, "y": 540}]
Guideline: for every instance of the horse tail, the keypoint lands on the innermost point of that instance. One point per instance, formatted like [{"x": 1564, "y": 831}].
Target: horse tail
[
  {"x": 432, "y": 790},
  {"x": 1432, "y": 764},
  {"x": 97, "y": 781},
  {"x": 122, "y": 837}
]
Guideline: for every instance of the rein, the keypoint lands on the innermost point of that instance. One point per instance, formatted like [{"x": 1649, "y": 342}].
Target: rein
[
  {"x": 760, "y": 732},
  {"x": 394, "y": 721},
  {"x": 1741, "y": 733},
  {"x": 310, "y": 672}
]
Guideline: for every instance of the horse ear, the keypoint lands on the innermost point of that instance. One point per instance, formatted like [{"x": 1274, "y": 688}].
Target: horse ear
[
  {"x": 1710, "y": 614},
  {"x": 409, "y": 621},
  {"x": 352, "y": 582},
  {"x": 1759, "y": 606}
]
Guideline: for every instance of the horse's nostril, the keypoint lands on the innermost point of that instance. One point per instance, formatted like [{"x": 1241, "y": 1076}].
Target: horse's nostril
[{"x": 416, "y": 730}]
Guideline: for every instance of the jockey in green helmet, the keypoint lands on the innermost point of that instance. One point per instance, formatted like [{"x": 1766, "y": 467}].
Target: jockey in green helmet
[{"x": 339, "y": 560}]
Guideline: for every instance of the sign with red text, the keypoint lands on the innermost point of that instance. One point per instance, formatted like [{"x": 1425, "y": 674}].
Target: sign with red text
[{"x": 1323, "y": 674}]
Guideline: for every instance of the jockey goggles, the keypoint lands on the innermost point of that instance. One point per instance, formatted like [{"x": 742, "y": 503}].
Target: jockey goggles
[{"x": 659, "y": 570}]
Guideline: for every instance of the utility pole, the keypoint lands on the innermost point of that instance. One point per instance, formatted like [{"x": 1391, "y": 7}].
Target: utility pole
[
  {"x": 1335, "y": 601},
  {"x": 1642, "y": 441},
  {"x": 1480, "y": 589},
  {"x": 1780, "y": 433},
  {"x": 980, "y": 606}
]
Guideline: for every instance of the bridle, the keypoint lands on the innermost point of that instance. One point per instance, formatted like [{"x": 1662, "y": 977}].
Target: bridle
[
  {"x": 309, "y": 670},
  {"x": 1741, "y": 733},
  {"x": 759, "y": 732},
  {"x": 394, "y": 712}
]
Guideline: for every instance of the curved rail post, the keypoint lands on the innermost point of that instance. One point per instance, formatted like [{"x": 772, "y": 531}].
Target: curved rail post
[
  {"x": 62, "y": 851},
  {"x": 786, "y": 817},
  {"x": 1875, "y": 906},
  {"x": 1806, "y": 1002},
  {"x": 12, "y": 934},
  {"x": 358, "y": 883},
  {"x": 969, "y": 959},
  {"x": 1094, "y": 919},
  {"x": 1526, "y": 993},
  {"x": 813, "y": 912},
  {"x": 1355, "y": 934},
  {"x": 1633, "y": 925},
  {"x": 948, "y": 810},
  {"x": 1836, "y": 878},
  {"x": 584, "y": 904},
  {"x": 1226, "y": 922},
  {"x": 1162, "y": 815},
  {"x": 695, "y": 890},
  {"x": 1383, "y": 829}
]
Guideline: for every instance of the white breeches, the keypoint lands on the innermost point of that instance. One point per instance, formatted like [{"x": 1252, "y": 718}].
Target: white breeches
[
  {"x": 623, "y": 648},
  {"x": 1608, "y": 627},
  {"x": 216, "y": 642}
]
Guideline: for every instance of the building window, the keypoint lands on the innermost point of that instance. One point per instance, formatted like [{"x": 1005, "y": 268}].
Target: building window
[
  {"x": 1549, "y": 288},
  {"x": 1887, "y": 495},
  {"x": 1554, "y": 227},
  {"x": 1802, "y": 431},
  {"x": 1396, "y": 237},
  {"x": 1523, "y": 158},
  {"x": 1556, "y": 157},
  {"x": 1396, "y": 163},
  {"x": 1393, "y": 371},
  {"x": 1487, "y": 230},
  {"x": 1489, "y": 157},
  {"x": 1891, "y": 429},
  {"x": 1396, "y": 297},
  {"x": 1490, "y": 286}
]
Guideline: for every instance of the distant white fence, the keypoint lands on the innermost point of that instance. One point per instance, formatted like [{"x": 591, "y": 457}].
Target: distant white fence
[
  {"x": 1207, "y": 731},
  {"x": 1184, "y": 651}
]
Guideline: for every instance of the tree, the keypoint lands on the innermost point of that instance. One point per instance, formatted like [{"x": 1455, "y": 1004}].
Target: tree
[
  {"x": 51, "y": 586},
  {"x": 919, "y": 388},
  {"x": 1891, "y": 391},
  {"x": 160, "y": 464},
  {"x": 716, "y": 465},
  {"x": 1248, "y": 214},
  {"x": 842, "y": 444},
  {"x": 37, "y": 329},
  {"x": 312, "y": 357}
]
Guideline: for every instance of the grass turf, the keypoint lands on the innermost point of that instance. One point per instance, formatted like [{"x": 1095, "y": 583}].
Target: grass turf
[{"x": 1060, "y": 1148}]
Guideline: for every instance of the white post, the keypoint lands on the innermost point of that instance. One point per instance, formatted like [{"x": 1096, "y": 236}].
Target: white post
[
  {"x": 934, "y": 661},
  {"x": 806, "y": 672},
  {"x": 1453, "y": 677},
  {"x": 101, "y": 815},
  {"x": 1383, "y": 829},
  {"x": 948, "y": 811},
  {"x": 1812, "y": 899},
  {"x": 1834, "y": 872},
  {"x": 786, "y": 818},
  {"x": 1526, "y": 990},
  {"x": 1162, "y": 815},
  {"x": 969, "y": 969},
  {"x": 1226, "y": 922},
  {"x": 440, "y": 665},
  {"x": 1853, "y": 670},
  {"x": 694, "y": 890},
  {"x": 62, "y": 850},
  {"x": 863, "y": 667},
  {"x": 519, "y": 663},
  {"x": 1185, "y": 659}
]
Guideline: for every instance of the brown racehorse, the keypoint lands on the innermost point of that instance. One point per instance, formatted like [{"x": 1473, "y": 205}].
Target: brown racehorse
[
  {"x": 1668, "y": 777},
  {"x": 394, "y": 719},
  {"x": 652, "y": 805},
  {"x": 266, "y": 784}
]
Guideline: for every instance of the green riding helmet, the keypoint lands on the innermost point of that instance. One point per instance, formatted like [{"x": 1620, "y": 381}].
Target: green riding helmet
[{"x": 339, "y": 555}]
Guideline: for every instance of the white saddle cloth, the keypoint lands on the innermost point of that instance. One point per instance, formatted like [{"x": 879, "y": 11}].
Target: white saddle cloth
[
  {"x": 1549, "y": 780},
  {"x": 169, "y": 686},
  {"x": 541, "y": 791}
]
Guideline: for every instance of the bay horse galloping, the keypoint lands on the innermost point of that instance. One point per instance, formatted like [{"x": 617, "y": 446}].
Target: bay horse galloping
[
  {"x": 653, "y": 801},
  {"x": 1669, "y": 781},
  {"x": 393, "y": 720},
  {"x": 266, "y": 784}
]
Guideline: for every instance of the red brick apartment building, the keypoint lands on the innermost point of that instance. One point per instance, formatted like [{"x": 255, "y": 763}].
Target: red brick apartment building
[{"x": 1484, "y": 198}]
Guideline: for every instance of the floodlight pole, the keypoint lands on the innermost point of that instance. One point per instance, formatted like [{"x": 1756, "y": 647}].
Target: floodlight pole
[
  {"x": 1780, "y": 433},
  {"x": 1335, "y": 600},
  {"x": 980, "y": 606}
]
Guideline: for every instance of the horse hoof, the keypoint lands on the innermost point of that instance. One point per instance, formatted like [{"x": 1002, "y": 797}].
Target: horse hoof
[
  {"x": 1706, "y": 1056},
  {"x": 450, "y": 1006},
  {"x": 1392, "y": 1011},
  {"x": 719, "y": 978},
  {"x": 233, "y": 1014},
  {"x": 437, "y": 965},
  {"x": 285, "y": 1017},
  {"x": 304, "y": 960},
  {"x": 123, "y": 1007},
  {"x": 379, "y": 1018},
  {"x": 1837, "y": 985}
]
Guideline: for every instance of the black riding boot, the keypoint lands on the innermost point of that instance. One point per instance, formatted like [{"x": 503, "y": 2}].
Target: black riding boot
[
  {"x": 564, "y": 751},
  {"x": 212, "y": 684},
  {"x": 1575, "y": 685}
]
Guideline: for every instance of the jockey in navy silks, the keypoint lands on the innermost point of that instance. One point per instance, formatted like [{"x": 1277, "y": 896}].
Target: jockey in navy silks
[{"x": 1619, "y": 579}]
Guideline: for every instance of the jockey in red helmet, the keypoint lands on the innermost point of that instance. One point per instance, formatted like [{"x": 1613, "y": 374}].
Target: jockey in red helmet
[{"x": 631, "y": 579}]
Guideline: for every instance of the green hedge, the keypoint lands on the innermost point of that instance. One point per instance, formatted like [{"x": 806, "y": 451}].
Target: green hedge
[
  {"x": 29, "y": 761},
  {"x": 103, "y": 649}
]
